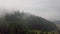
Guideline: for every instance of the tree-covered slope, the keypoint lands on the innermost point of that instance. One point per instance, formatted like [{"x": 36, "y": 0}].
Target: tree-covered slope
[
  {"x": 22, "y": 22},
  {"x": 39, "y": 23}
]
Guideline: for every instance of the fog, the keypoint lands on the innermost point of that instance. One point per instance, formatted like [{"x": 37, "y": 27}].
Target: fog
[{"x": 48, "y": 9}]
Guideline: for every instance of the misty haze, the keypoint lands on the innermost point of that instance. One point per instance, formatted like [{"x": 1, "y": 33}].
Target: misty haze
[{"x": 29, "y": 16}]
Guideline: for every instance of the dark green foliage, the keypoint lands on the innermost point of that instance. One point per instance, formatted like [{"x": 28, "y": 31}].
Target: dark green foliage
[
  {"x": 15, "y": 24},
  {"x": 38, "y": 23}
]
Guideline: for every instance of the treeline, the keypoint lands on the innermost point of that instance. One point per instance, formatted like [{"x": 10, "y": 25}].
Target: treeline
[
  {"x": 21, "y": 23},
  {"x": 12, "y": 23}
]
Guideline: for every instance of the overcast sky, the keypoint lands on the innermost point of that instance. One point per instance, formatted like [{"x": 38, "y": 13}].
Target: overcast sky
[{"x": 48, "y": 9}]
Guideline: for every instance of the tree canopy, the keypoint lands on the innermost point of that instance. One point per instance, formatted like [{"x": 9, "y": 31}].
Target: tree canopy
[{"x": 14, "y": 22}]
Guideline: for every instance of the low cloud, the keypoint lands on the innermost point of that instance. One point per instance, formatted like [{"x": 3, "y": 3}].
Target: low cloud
[{"x": 48, "y": 9}]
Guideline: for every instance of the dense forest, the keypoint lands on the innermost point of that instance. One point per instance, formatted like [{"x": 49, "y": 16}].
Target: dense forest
[{"x": 20, "y": 23}]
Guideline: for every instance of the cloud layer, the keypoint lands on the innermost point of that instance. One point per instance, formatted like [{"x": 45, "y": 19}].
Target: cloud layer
[{"x": 48, "y": 9}]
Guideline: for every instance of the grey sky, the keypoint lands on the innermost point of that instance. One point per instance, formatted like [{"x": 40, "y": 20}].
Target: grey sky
[{"x": 48, "y": 9}]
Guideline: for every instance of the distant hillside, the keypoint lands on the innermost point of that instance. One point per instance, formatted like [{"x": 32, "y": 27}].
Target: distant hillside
[
  {"x": 39, "y": 23},
  {"x": 57, "y": 22}
]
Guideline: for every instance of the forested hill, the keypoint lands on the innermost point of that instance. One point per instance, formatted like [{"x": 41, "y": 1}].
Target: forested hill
[
  {"x": 39, "y": 23},
  {"x": 24, "y": 22}
]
